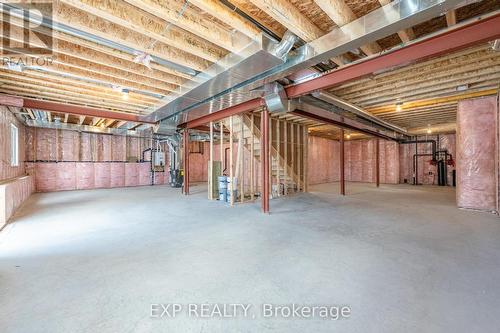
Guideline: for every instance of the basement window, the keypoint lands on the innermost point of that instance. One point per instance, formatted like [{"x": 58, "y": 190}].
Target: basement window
[{"x": 14, "y": 145}]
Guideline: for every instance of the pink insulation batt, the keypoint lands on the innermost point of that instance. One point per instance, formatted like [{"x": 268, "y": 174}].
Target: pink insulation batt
[
  {"x": 46, "y": 177},
  {"x": 476, "y": 151},
  {"x": 84, "y": 176},
  {"x": 12, "y": 194},
  {"x": 117, "y": 174},
  {"x": 144, "y": 173},
  {"x": 66, "y": 176},
  {"x": 359, "y": 161},
  {"x": 131, "y": 174},
  {"x": 102, "y": 174}
]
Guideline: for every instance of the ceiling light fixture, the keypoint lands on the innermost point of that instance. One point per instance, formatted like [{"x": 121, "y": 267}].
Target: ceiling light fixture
[
  {"x": 495, "y": 45},
  {"x": 143, "y": 58},
  {"x": 125, "y": 94},
  {"x": 399, "y": 106}
]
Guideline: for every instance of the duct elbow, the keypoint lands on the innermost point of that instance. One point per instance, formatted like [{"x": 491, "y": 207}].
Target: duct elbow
[{"x": 282, "y": 48}]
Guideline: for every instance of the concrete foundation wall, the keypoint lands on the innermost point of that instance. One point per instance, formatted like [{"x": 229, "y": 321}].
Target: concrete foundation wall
[{"x": 477, "y": 168}]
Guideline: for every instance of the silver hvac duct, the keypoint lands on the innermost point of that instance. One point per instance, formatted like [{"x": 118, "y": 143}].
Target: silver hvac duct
[
  {"x": 235, "y": 68},
  {"x": 199, "y": 137},
  {"x": 173, "y": 143},
  {"x": 275, "y": 98},
  {"x": 281, "y": 49},
  {"x": 303, "y": 104},
  {"x": 334, "y": 100},
  {"x": 166, "y": 127},
  {"x": 224, "y": 91},
  {"x": 41, "y": 115}
]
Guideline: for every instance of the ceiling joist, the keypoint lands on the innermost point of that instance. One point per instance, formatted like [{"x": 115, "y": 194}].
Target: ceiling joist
[
  {"x": 95, "y": 25},
  {"x": 341, "y": 14},
  {"x": 190, "y": 21},
  {"x": 134, "y": 19}
]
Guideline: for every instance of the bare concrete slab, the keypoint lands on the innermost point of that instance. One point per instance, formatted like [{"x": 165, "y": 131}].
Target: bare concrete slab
[{"x": 403, "y": 258}]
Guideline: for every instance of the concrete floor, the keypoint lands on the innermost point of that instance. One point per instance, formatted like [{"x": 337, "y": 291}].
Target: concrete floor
[{"x": 403, "y": 258}]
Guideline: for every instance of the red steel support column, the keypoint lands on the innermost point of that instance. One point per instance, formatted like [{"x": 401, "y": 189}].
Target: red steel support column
[
  {"x": 264, "y": 160},
  {"x": 342, "y": 173},
  {"x": 415, "y": 163},
  {"x": 186, "y": 161},
  {"x": 377, "y": 161}
]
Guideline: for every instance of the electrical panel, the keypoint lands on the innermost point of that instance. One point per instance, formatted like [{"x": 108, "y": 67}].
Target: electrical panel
[{"x": 159, "y": 158}]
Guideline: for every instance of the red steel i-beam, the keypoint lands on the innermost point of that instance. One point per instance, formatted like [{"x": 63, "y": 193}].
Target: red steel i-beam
[
  {"x": 377, "y": 161},
  {"x": 342, "y": 166},
  {"x": 225, "y": 113},
  {"x": 264, "y": 160},
  {"x": 186, "y": 161},
  {"x": 475, "y": 32},
  {"x": 78, "y": 110}
]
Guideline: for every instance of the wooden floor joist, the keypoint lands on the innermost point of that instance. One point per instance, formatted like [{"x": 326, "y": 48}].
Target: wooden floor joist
[
  {"x": 218, "y": 10},
  {"x": 341, "y": 14},
  {"x": 190, "y": 21},
  {"x": 135, "y": 19},
  {"x": 35, "y": 77},
  {"x": 187, "y": 37},
  {"x": 100, "y": 27}
]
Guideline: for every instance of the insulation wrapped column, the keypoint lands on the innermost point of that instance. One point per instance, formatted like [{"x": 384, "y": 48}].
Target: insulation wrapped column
[{"x": 476, "y": 157}]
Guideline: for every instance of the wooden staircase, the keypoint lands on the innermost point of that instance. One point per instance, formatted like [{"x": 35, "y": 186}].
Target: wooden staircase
[{"x": 284, "y": 180}]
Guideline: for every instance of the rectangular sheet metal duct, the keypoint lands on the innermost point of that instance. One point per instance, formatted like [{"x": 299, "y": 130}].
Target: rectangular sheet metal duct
[
  {"x": 228, "y": 72},
  {"x": 259, "y": 67}
]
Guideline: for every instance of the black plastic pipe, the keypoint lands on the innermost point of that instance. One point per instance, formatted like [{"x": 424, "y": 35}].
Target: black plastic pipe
[
  {"x": 249, "y": 18},
  {"x": 433, "y": 142}
]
